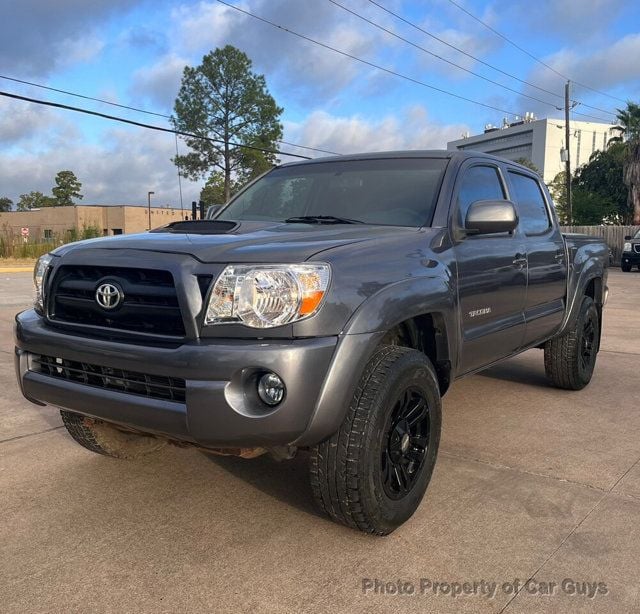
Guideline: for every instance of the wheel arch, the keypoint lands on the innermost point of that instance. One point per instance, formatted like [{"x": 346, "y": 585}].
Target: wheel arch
[{"x": 417, "y": 313}]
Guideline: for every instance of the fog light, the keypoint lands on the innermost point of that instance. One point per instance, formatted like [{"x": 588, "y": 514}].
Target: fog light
[{"x": 271, "y": 389}]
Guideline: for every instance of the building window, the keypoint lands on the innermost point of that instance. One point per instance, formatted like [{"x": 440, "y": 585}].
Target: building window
[
  {"x": 105, "y": 232},
  {"x": 48, "y": 234},
  {"x": 117, "y": 231}
]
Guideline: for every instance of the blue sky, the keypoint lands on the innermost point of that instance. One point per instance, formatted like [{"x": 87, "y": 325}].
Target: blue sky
[{"x": 132, "y": 52}]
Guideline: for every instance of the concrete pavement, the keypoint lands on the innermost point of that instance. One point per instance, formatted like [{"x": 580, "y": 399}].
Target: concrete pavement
[{"x": 531, "y": 483}]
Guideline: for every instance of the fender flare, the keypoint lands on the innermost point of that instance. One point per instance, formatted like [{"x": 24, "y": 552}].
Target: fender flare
[
  {"x": 592, "y": 269},
  {"x": 361, "y": 335}
]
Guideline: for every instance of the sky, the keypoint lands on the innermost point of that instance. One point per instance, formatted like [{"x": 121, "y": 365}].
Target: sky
[{"x": 133, "y": 52}]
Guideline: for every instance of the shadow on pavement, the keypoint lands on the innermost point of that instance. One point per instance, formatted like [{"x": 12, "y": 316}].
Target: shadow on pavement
[
  {"x": 518, "y": 372},
  {"x": 286, "y": 481}
]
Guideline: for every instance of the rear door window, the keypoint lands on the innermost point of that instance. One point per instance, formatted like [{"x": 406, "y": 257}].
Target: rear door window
[{"x": 531, "y": 204}]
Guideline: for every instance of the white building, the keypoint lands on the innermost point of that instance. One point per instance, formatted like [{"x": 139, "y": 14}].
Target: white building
[{"x": 541, "y": 141}]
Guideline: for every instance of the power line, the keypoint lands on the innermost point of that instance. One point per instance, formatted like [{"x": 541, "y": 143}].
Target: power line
[
  {"x": 366, "y": 62},
  {"x": 439, "y": 57},
  {"x": 533, "y": 57},
  {"x": 378, "y": 67},
  {"x": 131, "y": 122},
  {"x": 476, "y": 59},
  {"x": 137, "y": 109}
]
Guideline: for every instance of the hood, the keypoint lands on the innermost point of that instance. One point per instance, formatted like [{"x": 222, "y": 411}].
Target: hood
[{"x": 245, "y": 241}]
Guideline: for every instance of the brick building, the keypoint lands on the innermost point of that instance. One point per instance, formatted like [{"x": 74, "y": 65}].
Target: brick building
[{"x": 55, "y": 222}]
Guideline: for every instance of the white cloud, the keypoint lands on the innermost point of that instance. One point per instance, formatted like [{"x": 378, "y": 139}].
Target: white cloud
[
  {"x": 22, "y": 124},
  {"x": 411, "y": 129},
  {"x": 120, "y": 170},
  {"x": 38, "y": 36},
  {"x": 160, "y": 82},
  {"x": 605, "y": 68},
  {"x": 304, "y": 69},
  {"x": 575, "y": 19}
]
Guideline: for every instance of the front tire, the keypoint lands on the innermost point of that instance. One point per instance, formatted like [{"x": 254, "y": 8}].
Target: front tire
[
  {"x": 103, "y": 438},
  {"x": 626, "y": 268},
  {"x": 372, "y": 474},
  {"x": 569, "y": 359}
]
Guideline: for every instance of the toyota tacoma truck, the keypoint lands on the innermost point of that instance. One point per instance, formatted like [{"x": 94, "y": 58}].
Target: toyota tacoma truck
[{"x": 327, "y": 307}]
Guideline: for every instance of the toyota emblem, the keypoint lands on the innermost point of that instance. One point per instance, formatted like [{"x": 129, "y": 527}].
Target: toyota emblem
[{"x": 109, "y": 296}]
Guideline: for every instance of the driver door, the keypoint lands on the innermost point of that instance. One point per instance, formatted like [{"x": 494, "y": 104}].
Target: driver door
[{"x": 492, "y": 275}]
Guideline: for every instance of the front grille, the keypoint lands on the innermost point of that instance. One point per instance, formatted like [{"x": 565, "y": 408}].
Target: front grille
[
  {"x": 120, "y": 380},
  {"x": 150, "y": 303},
  {"x": 636, "y": 248}
]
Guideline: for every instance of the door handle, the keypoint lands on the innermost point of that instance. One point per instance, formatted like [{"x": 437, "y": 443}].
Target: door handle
[
  {"x": 520, "y": 260},
  {"x": 559, "y": 255}
]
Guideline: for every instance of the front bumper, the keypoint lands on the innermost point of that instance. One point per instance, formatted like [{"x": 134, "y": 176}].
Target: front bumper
[
  {"x": 631, "y": 258},
  {"x": 219, "y": 409}
]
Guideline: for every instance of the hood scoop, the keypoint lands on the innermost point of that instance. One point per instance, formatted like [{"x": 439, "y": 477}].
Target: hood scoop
[{"x": 198, "y": 227}]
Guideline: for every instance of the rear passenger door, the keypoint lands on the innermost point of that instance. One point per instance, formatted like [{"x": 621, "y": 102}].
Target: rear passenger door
[
  {"x": 547, "y": 267},
  {"x": 492, "y": 274}
]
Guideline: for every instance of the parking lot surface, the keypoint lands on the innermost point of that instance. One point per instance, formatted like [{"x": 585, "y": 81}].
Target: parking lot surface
[{"x": 532, "y": 484}]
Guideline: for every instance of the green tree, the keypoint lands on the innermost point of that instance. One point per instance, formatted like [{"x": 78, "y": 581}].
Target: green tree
[
  {"x": 223, "y": 99},
  {"x": 526, "y": 162},
  {"x": 629, "y": 137},
  {"x": 5, "y": 204},
  {"x": 602, "y": 177},
  {"x": 213, "y": 191},
  {"x": 558, "y": 190},
  {"x": 34, "y": 200},
  {"x": 592, "y": 209},
  {"x": 66, "y": 189}
]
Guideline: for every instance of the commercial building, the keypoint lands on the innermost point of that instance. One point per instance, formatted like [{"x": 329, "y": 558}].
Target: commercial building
[
  {"x": 51, "y": 223},
  {"x": 541, "y": 141}
]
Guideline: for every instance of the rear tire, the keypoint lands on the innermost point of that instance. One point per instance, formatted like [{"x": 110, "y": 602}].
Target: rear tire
[
  {"x": 372, "y": 474},
  {"x": 569, "y": 359},
  {"x": 103, "y": 438}
]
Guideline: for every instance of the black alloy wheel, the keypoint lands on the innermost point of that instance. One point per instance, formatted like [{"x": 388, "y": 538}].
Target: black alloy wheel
[
  {"x": 588, "y": 346},
  {"x": 406, "y": 443}
]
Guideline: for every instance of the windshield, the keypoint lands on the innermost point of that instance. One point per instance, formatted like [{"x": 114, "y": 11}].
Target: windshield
[
  {"x": 394, "y": 191},
  {"x": 637, "y": 235}
]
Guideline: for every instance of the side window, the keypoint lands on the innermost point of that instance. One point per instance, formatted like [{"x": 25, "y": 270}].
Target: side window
[
  {"x": 478, "y": 183},
  {"x": 532, "y": 209}
]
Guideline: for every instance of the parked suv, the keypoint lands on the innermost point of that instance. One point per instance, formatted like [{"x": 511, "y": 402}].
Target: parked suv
[
  {"x": 327, "y": 307},
  {"x": 631, "y": 252}
]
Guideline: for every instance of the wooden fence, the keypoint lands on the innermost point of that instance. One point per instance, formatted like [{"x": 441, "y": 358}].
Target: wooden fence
[{"x": 613, "y": 235}]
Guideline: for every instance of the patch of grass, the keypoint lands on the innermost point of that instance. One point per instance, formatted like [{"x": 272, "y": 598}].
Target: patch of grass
[{"x": 14, "y": 247}]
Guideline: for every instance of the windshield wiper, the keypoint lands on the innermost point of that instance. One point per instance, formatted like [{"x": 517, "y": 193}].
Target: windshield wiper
[{"x": 321, "y": 219}]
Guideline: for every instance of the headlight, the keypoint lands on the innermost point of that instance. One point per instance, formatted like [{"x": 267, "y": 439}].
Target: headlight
[
  {"x": 627, "y": 247},
  {"x": 38, "y": 280},
  {"x": 264, "y": 296}
]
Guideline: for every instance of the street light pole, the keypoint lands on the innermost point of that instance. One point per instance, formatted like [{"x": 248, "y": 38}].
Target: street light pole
[{"x": 149, "y": 206}]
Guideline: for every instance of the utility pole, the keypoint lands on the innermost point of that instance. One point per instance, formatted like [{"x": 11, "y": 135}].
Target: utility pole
[
  {"x": 149, "y": 206},
  {"x": 567, "y": 146}
]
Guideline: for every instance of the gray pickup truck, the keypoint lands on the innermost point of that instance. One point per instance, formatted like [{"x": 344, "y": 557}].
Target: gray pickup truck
[{"x": 327, "y": 307}]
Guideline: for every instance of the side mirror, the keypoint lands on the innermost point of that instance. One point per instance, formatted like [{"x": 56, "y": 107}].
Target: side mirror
[
  {"x": 491, "y": 216},
  {"x": 211, "y": 211},
  {"x": 628, "y": 238}
]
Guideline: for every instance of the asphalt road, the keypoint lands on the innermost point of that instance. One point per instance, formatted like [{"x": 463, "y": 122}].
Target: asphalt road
[{"x": 531, "y": 482}]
